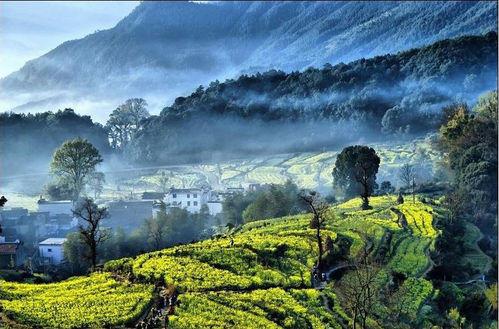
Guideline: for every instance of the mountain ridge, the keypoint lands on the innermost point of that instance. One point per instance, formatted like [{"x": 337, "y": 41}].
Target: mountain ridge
[{"x": 169, "y": 48}]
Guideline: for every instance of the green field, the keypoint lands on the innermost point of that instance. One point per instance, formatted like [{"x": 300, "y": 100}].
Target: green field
[
  {"x": 95, "y": 301},
  {"x": 259, "y": 280}
]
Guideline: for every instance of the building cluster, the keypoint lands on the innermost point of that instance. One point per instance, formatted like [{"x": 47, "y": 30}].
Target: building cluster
[
  {"x": 39, "y": 236},
  {"x": 23, "y": 232}
]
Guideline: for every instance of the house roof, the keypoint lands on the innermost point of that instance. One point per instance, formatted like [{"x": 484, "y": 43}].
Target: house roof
[
  {"x": 8, "y": 248},
  {"x": 185, "y": 190},
  {"x": 53, "y": 241},
  {"x": 43, "y": 201}
]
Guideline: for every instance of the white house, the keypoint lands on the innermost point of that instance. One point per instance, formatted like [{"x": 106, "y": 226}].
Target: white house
[
  {"x": 52, "y": 250},
  {"x": 56, "y": 207},
  {"x": 191, "y": 198}
]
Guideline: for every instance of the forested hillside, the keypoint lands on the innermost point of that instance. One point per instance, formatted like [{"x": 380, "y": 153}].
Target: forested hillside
[
  {"x": 22, "y": 136},
  {"x": 297, "y": 111},
  {"x": 278, "y": 112}
]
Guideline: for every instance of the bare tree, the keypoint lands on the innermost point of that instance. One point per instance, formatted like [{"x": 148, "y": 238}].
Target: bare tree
[
  {"x": 359, "y": 290},
  {"x": 407, "y": 175},
  {"x": 318, "y": 207},
  {"x": 163, "y": 182},
  {"x": 96, "y": 183},
  {"x": 90, "y": 230}
]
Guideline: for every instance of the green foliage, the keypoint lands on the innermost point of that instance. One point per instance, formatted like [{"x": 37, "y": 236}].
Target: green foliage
[
  {"x": 74, "y": 248},
  {"x": 234, "y": 205},
  {"x": 74, "y": 161},
  {"x": 449, "y": 296},
  {"x": 355, "y": 172},
  {"x": 277, "y": 201}
]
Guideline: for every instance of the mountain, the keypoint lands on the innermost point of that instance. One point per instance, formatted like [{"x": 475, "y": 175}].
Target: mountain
[{"x": 162, "y": 49}]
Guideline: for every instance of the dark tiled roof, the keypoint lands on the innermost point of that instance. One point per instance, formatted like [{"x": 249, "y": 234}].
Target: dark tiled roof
[
  {"x": 8, "y": 248},
  {"x": 185, "y": 190}
]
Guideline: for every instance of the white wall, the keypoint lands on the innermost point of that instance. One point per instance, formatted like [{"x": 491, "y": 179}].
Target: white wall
[
  {"x": 54, "y": 252},
  {"x": 192, "y": 201}
]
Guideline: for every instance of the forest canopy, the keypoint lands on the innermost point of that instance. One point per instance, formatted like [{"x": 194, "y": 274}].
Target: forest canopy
[{"x": 402, "y": 93}]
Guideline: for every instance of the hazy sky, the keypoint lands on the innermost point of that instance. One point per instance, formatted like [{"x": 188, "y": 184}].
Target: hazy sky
[{"x": 30, "y": 29}]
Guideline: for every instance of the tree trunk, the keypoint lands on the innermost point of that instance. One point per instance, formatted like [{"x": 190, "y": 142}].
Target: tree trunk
[
  {"x": 365, "y": 202},
  {"x": 93, "y": 251},
  {"x": 319, "y": 245},
  {"x": 365, "y": 196}
]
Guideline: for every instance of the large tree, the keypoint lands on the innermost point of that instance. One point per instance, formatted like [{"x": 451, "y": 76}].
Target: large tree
[
  {"x": 74, "y": 161},
  {"x": 469, "y": 140},
  {"x": 125, "y": 121},
  {"x": 355, "y": 172},
  {"x": 91, "y": 232}
]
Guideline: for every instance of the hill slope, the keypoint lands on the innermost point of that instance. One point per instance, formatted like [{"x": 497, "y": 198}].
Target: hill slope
[
  {"x": 165, "y": 48},
  {"x": 260, "y": 279}
]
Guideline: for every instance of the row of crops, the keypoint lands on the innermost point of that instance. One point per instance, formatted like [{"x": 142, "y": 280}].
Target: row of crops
[
  {"x": 257, "y": 278},
  {"x": 270, "y": 308},
  {"x": 95, "y": 301}
]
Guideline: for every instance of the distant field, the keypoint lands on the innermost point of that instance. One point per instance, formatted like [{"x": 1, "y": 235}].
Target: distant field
[{"x": 308, "y": 170}]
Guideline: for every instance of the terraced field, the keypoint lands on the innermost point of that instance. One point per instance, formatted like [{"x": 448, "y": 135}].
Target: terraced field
[
  {"x": 96, "y": 301},
  {"x": 307, "y": 170},
  {"x": 258, "y": 277}
]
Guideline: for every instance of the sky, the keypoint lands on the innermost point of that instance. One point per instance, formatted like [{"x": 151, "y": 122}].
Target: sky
[{"x": 31, "y": 29}]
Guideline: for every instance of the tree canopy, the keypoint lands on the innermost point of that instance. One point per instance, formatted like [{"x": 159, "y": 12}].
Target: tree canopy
[
  {"x": 74, "y": 161},
  {"x": 355, "y": 172}
]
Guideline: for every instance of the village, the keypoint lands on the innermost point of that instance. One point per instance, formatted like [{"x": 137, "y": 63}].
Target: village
[{"x": 34, "y": 240}]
